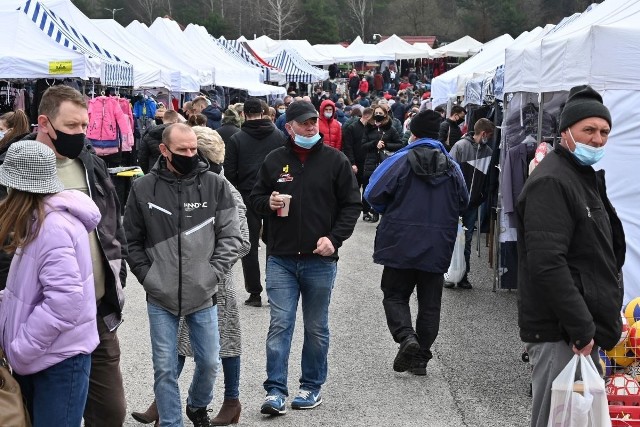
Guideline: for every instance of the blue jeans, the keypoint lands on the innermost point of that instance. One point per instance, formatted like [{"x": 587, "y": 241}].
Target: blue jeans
[
  {"x": 231, "y": 370},
  {"x": 205, "y": 342},
  {"x": 288, "y": 278},
  {"x": 469, "y": 218},
  {"x": 57, "y": 395}
]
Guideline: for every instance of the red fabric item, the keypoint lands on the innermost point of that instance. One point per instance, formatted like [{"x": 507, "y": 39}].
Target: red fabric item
[
  {"x": 404, "y": 85},
  {"x": 302, "y": 153},
  {"x": 364, "y": 86},
  {"x": 387, "y": 96},
  {"x": 330, "y": 128},
  {"x": 174, "y": 102}
]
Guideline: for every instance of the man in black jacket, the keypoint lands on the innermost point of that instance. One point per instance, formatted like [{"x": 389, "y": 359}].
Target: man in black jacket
[
  {"x": 450, "y": 132},
  {"x": 571, "y": 249},
  {"x": 244, "y": 155},
  {"x": 302, "y": 250},
  {"x": 62, "y": 121},
  {"x": 352, "y": 147}
]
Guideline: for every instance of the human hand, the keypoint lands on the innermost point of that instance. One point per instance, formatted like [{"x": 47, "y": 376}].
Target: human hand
[
  {"x": 275, "y": 201},
  {"x": 586, "y": 350},
  {"x": 380, "y": 145},
  {"x": 324, "y": 247},
  {"x": 354, "y": 168}
]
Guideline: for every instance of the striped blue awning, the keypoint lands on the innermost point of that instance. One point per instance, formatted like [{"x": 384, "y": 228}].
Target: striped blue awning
[
  {"x": 297, "y": 69},
  {"x": 114, "y": 71},
  {"x": 236, "y": 49}
]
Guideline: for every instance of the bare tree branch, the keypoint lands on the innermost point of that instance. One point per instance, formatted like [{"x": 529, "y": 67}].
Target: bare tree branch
[
  {"x": 145, "y": 9},
  {"x": 280, "y": 17},
  {"x": 358, "y": 10}
]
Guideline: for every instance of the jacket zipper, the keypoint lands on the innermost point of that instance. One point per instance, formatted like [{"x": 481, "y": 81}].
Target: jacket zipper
[
  {"x": 179, "y": 248},
  {"x": 300, "y": 211}
]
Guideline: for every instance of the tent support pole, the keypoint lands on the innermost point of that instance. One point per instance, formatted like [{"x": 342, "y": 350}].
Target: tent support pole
[{"x": 540, "y": 115}]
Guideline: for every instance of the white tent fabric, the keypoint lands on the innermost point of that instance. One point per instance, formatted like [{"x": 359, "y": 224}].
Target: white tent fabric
[
  {"x": 394, "y": 45},
  {"x": 453, "y": 82},
  {"x": 180, "y": 59},
  {"x": 246, "y": 75},
  {"x": 241, "y": 48},
  {"x": 113, "y": 70},
  {"x": 179, "y": 80},
  {"x": 144, "y": 73},
  {"x": 263, "y": 46},
  {"x": 338, "y": 52},
  {"x": 27, "y": 52},
  {"x": 598, "y": 48},
  {"x": 461, "y": 48},
  {"x": 306, "y": 51},
  {"x": 429, "y": 51},
  {"x": 297, "y": 69},
  {"x": 367, "y": 52}
]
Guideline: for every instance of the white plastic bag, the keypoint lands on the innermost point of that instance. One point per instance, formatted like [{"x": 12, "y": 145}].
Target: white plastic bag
[
  {"x": 570, "y": 408},
  {"x": 458, "y": 266}
]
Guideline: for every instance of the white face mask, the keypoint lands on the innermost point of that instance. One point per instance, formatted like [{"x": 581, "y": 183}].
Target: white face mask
[
  {"x": 328, "y": 115},
  {"x": 2, "y": 133}
]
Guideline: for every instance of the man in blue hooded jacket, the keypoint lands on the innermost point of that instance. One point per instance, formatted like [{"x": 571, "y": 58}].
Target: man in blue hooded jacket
[{"x": 421, "y": 192}]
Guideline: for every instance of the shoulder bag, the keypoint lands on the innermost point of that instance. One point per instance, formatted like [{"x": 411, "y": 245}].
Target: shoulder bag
[{"x": 12, "y": 409}]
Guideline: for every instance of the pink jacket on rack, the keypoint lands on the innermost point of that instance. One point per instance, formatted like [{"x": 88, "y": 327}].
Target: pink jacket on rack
[{"x": 105, "y": 119}]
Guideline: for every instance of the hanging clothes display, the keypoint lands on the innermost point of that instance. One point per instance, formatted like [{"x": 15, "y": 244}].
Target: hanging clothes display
[{"x": 109, "y": 127}]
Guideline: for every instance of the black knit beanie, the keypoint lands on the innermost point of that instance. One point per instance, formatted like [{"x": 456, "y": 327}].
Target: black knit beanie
[
  {"x": 425, "y": 124},
  {"x": 583, "y": 102}
]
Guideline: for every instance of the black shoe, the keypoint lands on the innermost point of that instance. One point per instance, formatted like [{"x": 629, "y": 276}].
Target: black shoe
[
  {"x": 449, "y": 285},
  {"x": 418, "y": 367},
  {"x": 464, "y": 283},
  {"x": 367, "y": 217},
  {"x": 375, "y": 217},
  {"x": 408, "y": 349},
  {"x": 254, "y": 300},
  {"x": 199, "y": 416}
]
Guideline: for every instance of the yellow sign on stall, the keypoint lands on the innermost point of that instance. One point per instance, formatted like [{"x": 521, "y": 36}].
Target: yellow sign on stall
[{"x": 60, "y": 67}]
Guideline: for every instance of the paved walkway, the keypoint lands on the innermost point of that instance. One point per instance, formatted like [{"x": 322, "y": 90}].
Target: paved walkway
[{"x": 475, "y": 379}]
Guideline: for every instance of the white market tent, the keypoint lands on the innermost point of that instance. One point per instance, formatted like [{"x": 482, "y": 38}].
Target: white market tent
[
  {"x": 367, "y": 52},
  {"x": 263, "y": 46},
  {"x": 461, "y": 48},
  {"x": 241, "y": 48},
  {"x": 306, "y": 51},
  {"x": 171, "y": 53},
  {"x": 246, "y": 75},
  {"x": 394, "y": 45},
  {"x": 337, "y": 52},
  {"x": 27, "y": 52},
  {"x": 180, "y": 81},
  {"x": 429, "y": 51},
  {"x": 453, "y": 82},
  {"x": 296, "y": 69},
  {"x": 599, "y": 48},
  {"x": 113, "y": 69}
]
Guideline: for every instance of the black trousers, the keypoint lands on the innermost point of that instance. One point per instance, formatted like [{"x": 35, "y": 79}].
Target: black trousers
[
  {"x": 250, "y": 264},
  {"x": 397, "y": 286}
]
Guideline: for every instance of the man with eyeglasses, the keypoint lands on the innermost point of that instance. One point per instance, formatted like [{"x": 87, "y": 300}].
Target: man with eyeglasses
[{"x": 302, "y": 250}]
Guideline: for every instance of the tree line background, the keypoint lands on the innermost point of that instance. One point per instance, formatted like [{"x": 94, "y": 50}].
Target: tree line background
[{"x": 333, "y": 21}]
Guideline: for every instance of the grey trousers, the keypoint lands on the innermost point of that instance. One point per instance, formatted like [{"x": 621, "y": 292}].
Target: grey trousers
[{"x": 548, "y": 359}]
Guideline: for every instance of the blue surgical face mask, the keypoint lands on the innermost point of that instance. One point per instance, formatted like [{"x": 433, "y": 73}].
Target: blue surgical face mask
[
  {"x": 305, "y": 141},
  {"x": 586, "y": 154}
]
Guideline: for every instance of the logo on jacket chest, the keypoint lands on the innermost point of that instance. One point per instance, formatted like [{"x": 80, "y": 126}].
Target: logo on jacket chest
[
  {"x": 188, "y": 207},
  {"x": 285, "y": 176}
]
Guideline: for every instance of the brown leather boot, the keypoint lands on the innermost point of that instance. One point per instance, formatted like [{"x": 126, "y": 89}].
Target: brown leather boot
[
  {"x": 229, "y": 413},
  {"x": 149, "y": 416}
]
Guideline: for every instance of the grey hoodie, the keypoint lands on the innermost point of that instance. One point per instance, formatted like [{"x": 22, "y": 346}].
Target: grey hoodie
[{"x": 183, "y": 235}]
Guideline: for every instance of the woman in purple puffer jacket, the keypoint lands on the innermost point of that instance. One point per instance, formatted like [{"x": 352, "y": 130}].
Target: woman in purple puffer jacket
[{"x": 48, "y": 309}]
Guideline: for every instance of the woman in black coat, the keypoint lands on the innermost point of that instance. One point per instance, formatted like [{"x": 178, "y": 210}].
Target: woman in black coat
[{"x": 379, "y": 140}]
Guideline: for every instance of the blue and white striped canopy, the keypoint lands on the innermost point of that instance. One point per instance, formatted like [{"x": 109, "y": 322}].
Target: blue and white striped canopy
[
  {"x": 114, "y": 71},
  {"x": 239, "y": 49},
  {"x": 297, "y": 69}
]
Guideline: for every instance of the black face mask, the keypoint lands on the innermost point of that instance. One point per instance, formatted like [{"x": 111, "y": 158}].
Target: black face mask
[
  {"x": 378, "y": 118},
  {"x": 183, "y": 164},
  {"x": 68, "y": 145},
  {"x": 460, "y": 121}
]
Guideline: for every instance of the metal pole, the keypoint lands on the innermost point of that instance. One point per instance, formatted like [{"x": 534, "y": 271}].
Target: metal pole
[{"x": 540, "y": 115}]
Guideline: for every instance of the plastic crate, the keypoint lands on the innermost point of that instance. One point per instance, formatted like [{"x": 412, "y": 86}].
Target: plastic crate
[{"x": 618, "y": 414}]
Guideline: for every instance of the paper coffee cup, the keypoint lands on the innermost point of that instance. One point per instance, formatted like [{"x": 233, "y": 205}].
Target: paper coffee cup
[{"x": 284, "y": 211}]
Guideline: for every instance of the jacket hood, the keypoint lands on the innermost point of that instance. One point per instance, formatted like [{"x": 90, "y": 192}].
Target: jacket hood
[
  {"x": 212, "y": 113},
  {"x": 77, "y": 204},
  {"x": 259, "y": 128},
  {"x": 429, "y": 164},
  {"x": 323, "y": 105}
]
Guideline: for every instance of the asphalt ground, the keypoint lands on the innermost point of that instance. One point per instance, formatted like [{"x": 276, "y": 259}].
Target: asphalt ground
[{"x": 476, "y": 377}]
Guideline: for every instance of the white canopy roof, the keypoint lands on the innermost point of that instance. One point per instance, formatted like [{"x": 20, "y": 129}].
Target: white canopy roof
[
  {"x": 453, "y": 82},
  {"x": 429, "y": 51},
  {"x": 179, "y": 81},
  {"x": 27, "y": 52},
  {"x": 268, "y": 49},
  {"x": 599, "y": 47},
  {"x": 337, "y": 52},
  {"x": 263, "y": 46},
  {"x": 367, "y": 52},
  {"x": 394, "y": 45},
  {"x": 461, "y": 48}
]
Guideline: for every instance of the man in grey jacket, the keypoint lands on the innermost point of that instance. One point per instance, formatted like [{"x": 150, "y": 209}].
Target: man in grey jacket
[{"x": 183, "y": 234}]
